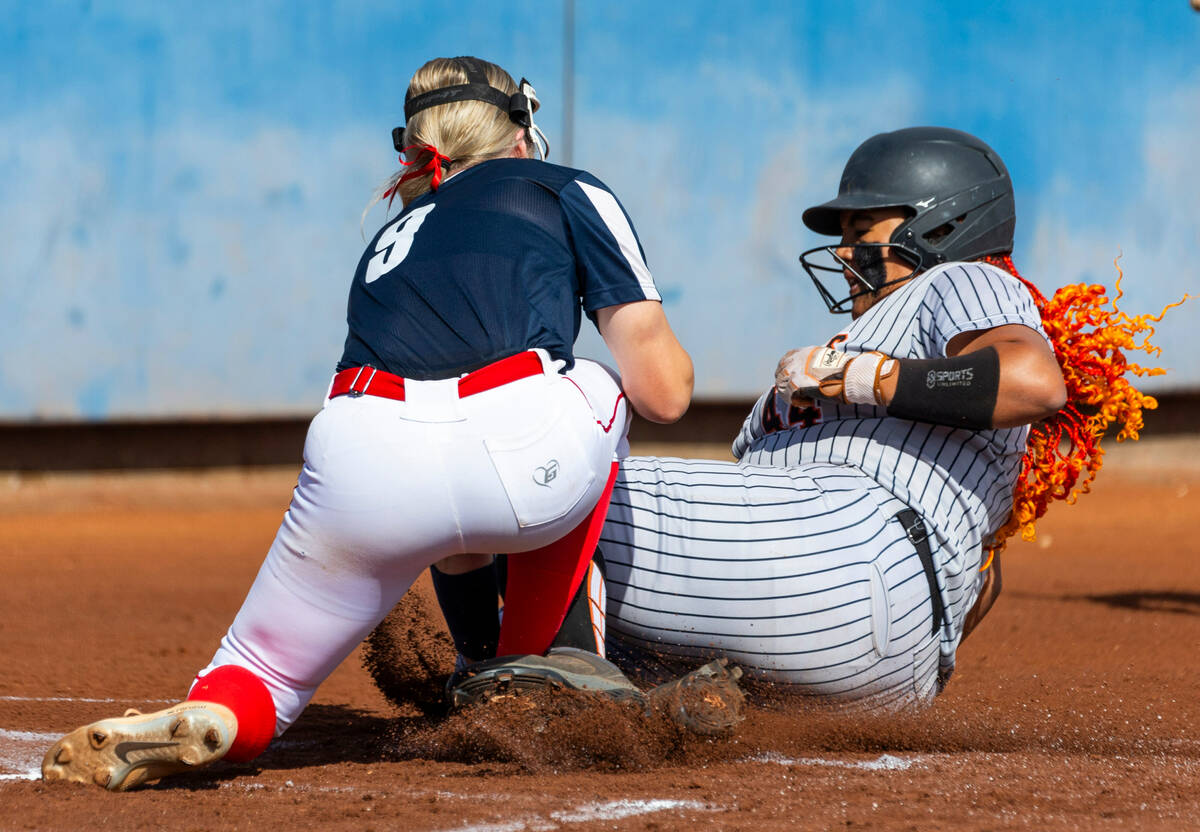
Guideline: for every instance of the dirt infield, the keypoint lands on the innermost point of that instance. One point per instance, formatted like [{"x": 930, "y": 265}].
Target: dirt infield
[{"x": 1076, "y": 704}]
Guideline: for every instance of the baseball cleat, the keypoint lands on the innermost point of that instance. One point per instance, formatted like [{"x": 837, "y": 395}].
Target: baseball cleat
[
  {"x": 561, "y": 668},
  {"x": 706, "y": 701},
  {"x": 123, "y": 752}
]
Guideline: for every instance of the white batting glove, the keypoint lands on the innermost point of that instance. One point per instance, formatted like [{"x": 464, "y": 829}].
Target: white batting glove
[
  {"x": 800, "y": 372},
  {"x": 862, "y": 377},
  {"x": 824, "y": 373}
]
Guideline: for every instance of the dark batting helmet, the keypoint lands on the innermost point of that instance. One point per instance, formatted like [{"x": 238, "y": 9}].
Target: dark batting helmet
[{"x": 954, "y": 186}]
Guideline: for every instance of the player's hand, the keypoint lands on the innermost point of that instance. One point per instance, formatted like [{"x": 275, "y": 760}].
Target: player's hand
[
  {"x": 810, "y": 373},
  {"x": 823, "y": 373}
]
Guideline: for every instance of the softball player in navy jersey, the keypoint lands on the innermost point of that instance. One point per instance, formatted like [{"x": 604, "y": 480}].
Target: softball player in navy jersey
[
  {"x": 458, "y": 422},
  {"x": 842, "y": 552}
]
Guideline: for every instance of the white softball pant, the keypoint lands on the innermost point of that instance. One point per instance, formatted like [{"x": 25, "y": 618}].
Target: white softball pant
[
  {"x": 801, "y": 575},
  {"x": 390, "y": 487}
]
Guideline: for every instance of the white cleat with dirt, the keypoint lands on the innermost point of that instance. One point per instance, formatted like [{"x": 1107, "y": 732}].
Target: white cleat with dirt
[{"x": 124, "y": 752}]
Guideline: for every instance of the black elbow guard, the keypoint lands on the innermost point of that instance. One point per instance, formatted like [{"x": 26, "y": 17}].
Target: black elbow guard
[{"x": 959, "y": 392}]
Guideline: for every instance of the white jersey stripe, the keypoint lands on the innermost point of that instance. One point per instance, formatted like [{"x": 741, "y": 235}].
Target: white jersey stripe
[{"x": 610, "y": 211}]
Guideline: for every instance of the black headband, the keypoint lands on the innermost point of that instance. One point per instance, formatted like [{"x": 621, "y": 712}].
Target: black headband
[{"x": 477, "y": 88}]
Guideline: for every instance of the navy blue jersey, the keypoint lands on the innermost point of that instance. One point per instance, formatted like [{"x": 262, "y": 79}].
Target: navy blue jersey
[{"x": 500, "y": 259}]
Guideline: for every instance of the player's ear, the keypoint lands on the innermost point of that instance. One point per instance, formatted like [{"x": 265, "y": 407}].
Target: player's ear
[{"x": 521, "y": 148}]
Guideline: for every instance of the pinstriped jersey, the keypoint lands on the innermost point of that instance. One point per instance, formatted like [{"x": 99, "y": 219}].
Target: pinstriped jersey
[
  {"x": 502, "y": 258},
  {"x": 961, "y": 481}
]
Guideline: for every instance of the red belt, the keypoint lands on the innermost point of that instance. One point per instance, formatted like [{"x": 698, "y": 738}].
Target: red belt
[{"x": 368, "y": 381}]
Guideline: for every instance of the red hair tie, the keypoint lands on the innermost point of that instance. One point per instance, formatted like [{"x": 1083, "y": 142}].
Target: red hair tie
[{"x": 436, "y": 163}]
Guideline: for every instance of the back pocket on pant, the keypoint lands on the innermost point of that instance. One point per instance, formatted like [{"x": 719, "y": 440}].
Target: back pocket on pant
[
  {"x": 545, "y": 473},
  {"x": 881, "y": 612}
]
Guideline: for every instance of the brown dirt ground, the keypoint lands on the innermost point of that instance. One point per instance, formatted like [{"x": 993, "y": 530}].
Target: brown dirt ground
[{"x": 1075, "y": 704}]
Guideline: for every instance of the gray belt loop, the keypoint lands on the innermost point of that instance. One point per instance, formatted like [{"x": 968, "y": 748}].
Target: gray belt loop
[
  {"x": 355, "y": 391},
  {"x": 914, "y": 529}
]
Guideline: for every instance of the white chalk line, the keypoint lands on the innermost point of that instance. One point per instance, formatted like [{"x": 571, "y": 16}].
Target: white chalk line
[
  {"x": 885, "y": 762},
  {"x": 585, "y": 813},
  {"x": 617, "y": 809},
  {"x": 21, "y": 753},
  {"x": 19, "y": 763},
  {"x": 590, "y": 812},
  {"x": 32, "y": 774}
]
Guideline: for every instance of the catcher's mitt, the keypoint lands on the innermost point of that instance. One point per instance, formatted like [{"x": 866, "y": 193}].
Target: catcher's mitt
[{"x": 705, "y": 701}]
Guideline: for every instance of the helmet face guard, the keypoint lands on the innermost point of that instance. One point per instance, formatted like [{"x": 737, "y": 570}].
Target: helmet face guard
[
  {"x": 865, "y": 268},
  {"x": 520, "y": 106}
]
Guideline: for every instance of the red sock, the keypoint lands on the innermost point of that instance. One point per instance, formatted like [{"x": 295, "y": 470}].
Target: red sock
[
  {"x": 242, "y": 692},
  {"x": 542, "y": 583}
]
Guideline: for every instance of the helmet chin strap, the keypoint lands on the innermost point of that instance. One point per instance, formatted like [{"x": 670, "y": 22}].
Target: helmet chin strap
[{"x": 540, "y": 143}]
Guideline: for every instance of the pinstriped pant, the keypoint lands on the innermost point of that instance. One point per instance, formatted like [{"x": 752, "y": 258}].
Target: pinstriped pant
[{"x": 800, "y": 575}]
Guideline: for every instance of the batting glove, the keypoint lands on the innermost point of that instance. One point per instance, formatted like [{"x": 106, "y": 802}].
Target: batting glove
[
  {"x": 824, "y": 373},
  {"x": 801, "y": 372}
]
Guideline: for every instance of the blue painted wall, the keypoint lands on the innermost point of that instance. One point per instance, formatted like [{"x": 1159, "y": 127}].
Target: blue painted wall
[{"x": 183, "y": 184}]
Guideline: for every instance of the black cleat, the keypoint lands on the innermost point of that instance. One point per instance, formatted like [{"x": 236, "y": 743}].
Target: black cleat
[{"x": 561, "y": 668}]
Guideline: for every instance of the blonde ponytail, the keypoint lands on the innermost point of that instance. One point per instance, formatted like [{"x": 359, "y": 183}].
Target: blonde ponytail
[{"x": 464, "y": 132}]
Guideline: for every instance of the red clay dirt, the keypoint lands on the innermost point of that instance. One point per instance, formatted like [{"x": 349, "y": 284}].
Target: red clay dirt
[{"x": 1075, "y": 705}]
